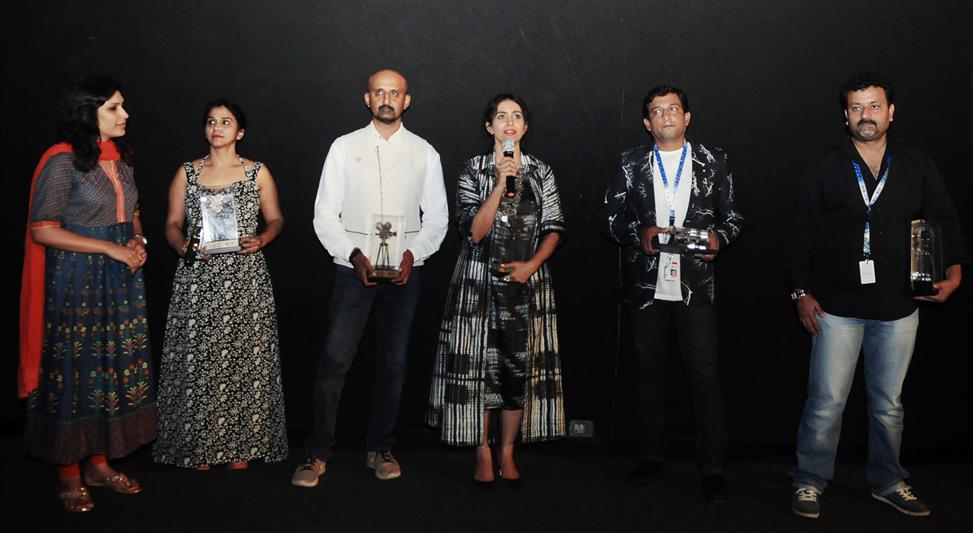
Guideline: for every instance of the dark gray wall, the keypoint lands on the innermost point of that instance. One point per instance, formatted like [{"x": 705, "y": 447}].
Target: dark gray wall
[{"x": 762, "y": 76}]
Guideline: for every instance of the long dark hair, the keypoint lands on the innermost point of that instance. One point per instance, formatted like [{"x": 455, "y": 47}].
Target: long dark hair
[
  {"x": 79, "y": 119},
  {"x": 491, "y": 111}
]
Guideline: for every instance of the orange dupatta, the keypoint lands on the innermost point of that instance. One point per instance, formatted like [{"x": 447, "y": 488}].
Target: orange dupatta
[{"x": 32, "y": 283}]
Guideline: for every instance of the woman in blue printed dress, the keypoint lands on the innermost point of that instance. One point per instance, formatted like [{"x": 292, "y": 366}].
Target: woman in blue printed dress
[
  {"x": 220, "y": 393},
  {"x": 85, "y": 361}
]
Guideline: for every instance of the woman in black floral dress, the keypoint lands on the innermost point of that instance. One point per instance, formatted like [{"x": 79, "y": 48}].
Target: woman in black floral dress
[{"x": 220, "y": 394}]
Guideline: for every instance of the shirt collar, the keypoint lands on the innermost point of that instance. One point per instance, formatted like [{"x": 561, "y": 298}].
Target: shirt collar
[
  {"x": 394, "y": 138},
  {"x": 849, "y": 150}
]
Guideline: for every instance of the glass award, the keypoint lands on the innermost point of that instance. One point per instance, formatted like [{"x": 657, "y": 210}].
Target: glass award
[
  {"x": 683, "y": 240},
  {"x": 926, "y": 258},
  {"x": 511, "y": 238},
  {"x": 220, "y": 233},
  {"x": 384, "y": 247}
]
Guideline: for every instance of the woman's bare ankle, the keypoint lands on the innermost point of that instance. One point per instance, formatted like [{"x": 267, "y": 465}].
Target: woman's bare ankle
[{"x": 71, "y": 483}]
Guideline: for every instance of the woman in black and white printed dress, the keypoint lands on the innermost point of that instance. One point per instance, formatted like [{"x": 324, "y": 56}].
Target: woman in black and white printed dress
[
  {"x": 220, "y": 395},
  {"x": 498, "y": 355}
]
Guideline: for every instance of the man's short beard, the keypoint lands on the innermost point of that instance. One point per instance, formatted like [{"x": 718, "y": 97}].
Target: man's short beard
[{"x": 857, "y": 132}]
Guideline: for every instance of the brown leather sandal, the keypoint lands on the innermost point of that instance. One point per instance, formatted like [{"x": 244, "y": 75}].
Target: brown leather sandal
[
  {"x": 119, "y": 483},
  {"x": 76, "y": 500},
  {"x": 238, "y": 465}
]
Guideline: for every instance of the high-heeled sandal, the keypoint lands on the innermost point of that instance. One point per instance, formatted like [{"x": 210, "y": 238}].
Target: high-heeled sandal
[
  {"x": 203, "y": 468},
  {"x": 238, "y": 465},
  {"x": 76, "y": 500},
  {"x": 516, "y": 483},
  {"x": 119, "y": 483}
]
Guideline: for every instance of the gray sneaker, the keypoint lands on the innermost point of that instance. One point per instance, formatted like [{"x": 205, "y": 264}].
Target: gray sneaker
[
  {"x": 308, "y": 473},
  {"x": 902, "y": 499},
  {"x": 384, "y": 465},
  {"x": 805, "y": 503}
]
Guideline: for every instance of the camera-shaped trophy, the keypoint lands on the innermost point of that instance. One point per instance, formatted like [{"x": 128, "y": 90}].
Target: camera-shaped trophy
[
  {"x": 192, "y": 247},
  {"x": 220, "y": 233},
  {"x": 683, "y": 240},
  {"x": 926, "y": 258},
  {"x": 385, "y": 245}
]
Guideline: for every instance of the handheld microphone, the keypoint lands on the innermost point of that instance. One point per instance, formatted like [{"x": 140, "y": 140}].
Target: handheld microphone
[
  {"x": 508, "y": 151},
  {"x": 508, "y": 147}
]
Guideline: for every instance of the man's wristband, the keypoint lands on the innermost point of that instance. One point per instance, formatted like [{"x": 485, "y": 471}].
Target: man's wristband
[
  {"x": 354, "y": 253},
  {"x": 797, "y": 294}
]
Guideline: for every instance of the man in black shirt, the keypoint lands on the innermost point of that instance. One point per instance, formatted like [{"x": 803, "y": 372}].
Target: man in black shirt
[{"x": 850, "y": 274}]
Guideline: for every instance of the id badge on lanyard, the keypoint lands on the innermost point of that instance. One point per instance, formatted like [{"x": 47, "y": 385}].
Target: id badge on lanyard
[
  {"x": 866, "y": 267},
  {"x": 670, "y": 266}
]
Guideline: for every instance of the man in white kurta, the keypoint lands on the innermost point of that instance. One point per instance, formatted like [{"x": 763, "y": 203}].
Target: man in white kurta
[{"x": 380, "y": 212}]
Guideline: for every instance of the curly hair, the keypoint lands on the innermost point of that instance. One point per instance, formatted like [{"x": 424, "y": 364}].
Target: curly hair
[{"x": 79, "y": 119}]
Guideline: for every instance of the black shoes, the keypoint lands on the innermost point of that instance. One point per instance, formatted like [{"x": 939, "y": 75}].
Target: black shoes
[
  {"x": 647, "y": 470},
  {"x": 485, "y": 486},
  {"x": 714, "y": 488},
  {"x": 516, "y": 483},
  {"x": 644, "y": 472}
]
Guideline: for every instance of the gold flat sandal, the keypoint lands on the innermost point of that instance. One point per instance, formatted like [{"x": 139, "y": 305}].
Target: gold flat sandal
[
  {"x": 76, "y": 500},
  {"x": 119, "y": 483}
]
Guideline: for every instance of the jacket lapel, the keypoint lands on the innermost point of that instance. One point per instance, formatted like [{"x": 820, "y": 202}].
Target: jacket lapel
[
  {"x": 702, "y": 177},
  {"x": 644, "y": 176}
]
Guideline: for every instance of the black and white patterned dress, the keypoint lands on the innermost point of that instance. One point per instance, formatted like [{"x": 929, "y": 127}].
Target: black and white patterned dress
[
  {"x": 220, "y": 395},
  {"x": 483, "y": 318}
]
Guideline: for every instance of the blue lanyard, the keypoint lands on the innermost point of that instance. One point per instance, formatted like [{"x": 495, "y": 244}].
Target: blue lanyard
[
  {"x": 869, "y": 202},
  {"x": 670, "y": 194}
]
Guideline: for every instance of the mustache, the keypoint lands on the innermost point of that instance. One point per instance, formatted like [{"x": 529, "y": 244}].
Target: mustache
[
  {"x": 864, "y": 121},
  {"x": 388, "y": 108}
]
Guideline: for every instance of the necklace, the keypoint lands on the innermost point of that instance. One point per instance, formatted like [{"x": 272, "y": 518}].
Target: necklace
[{"x": 202, "y": 163}]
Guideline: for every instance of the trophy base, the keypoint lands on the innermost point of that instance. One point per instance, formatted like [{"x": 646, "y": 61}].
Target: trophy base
[
  {"x": 684, "y": 250},
  {"x": 221, "y": 247},
  {"x": 923, "y": 288},
  {"x": 384, "y": 275}
]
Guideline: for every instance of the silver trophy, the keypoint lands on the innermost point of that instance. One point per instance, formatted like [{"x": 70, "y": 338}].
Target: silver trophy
[
  {"x": 926, "y": 258},
  {"x": 384, "y": 243},
  {"x": 689, "y": 241},
  {"x": 220, "y": 233}
]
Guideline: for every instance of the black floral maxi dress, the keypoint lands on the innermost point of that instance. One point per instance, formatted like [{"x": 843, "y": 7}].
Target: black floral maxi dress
[{"x": 220, "y": 393}]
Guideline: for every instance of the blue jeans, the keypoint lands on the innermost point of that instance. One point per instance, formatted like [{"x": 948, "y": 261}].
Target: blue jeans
[
  {"x": 887, "y": 347},
  {"x": 351, "y": 304}
]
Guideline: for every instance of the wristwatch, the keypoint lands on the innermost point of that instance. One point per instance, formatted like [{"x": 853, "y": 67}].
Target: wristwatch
[
  {"x": 796, "y": 294},
  {"x": 354, "y": 253},
  {"x": 139, "y": 236}
]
